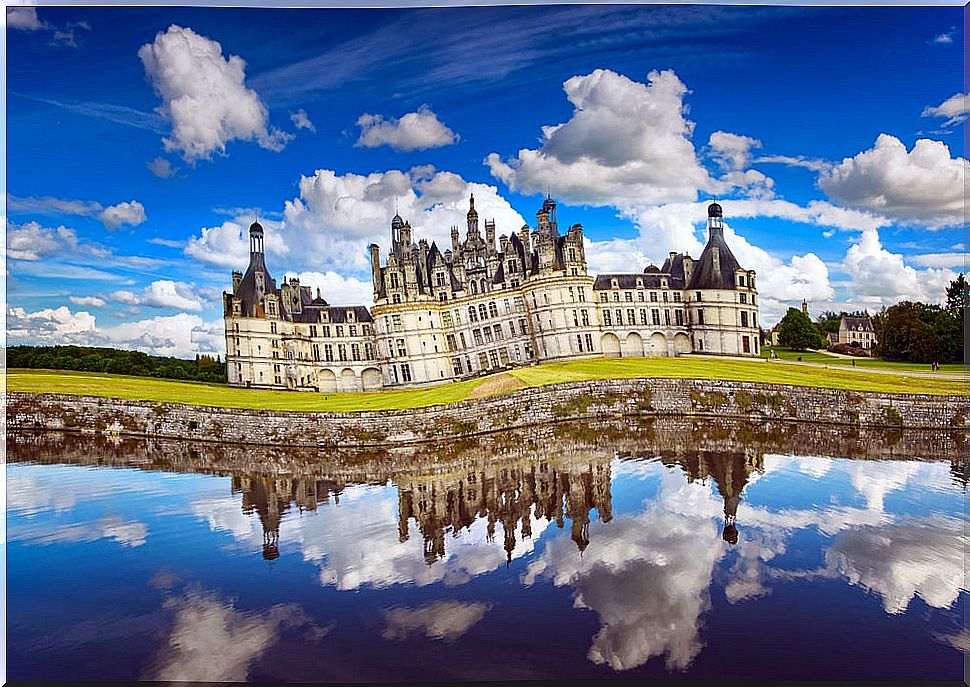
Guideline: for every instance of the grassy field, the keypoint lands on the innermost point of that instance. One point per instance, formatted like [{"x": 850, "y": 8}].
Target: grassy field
[
  {"x": 870, "y": 363},
  {"x": 142, "y": 388}
]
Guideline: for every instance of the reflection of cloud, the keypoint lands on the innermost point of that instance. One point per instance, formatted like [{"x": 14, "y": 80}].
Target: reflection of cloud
[
  {"x": 130, "y": 533},
  {"x": 746, "y": 578},
  {"x": 874, "y": 481},
  {"x": 358, "y": 544},
  {"x": 646, "y": 576},
  {"x": 213, "y": 642},
  {"x": 900, "y": 561},
  {"x": 447, "y": 620}
]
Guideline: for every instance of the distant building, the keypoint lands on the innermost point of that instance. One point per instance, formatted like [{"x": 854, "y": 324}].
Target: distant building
[
  {"x": 484, "y": 304},
  {"x": 857, "y": 331}
]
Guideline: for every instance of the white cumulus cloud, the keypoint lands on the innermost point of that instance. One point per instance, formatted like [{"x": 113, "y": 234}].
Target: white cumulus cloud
[
  {"x": 87, "y": 301},
  {"x": 161, "y": 168},
  {"x": 941, "y": 259},
  {"x": 227, "y": 244},
  {"x": 627, "y": 143},
  {"x": 128, "y": 212},
  {"x": 414, "y": 131},
  {"x": 336, "y": 288},
  {"x": 880, "y": 277},
  {"x": 923, "y": 186},
  {"x": 954, "y": 109},
  {"x": 181, "y": 335},
  {"x": 24, "y": 18},
  {"x": 336, "y": 216},
  {"x": 162, "y": 293},
  {"x": 302, "y": 121},
  {"x": 205, "y": 96},
  {"x": 732, "y": 151}
]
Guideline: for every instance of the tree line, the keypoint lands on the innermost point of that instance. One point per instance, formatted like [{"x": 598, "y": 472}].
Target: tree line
[
  {"x": 205, "y": 368},
  {"x": 907, "y": 331}
]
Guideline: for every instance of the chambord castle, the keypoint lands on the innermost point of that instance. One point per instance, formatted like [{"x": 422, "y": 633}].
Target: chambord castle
[{"x": 484, "y": 305}]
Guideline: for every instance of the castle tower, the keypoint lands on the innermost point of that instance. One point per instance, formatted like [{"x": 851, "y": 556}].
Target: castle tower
[
  {"x": 257, "y": 260},
  {"x": 472, "y": 217}
]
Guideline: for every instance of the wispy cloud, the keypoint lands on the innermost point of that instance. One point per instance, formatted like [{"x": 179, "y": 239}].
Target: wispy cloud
[
  {"x": 119, "y": 114},
  {"x": 475, "y": 45},
  {"x": 796, "y": 161},
  {"x": 112, "y": 216},
  {"x": 945, "y": 38}
]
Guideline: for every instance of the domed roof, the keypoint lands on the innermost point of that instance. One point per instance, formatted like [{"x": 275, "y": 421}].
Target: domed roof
[
  {"x": 255, "y": 227},
  {"x": 715, "y": 210},
  {"x": 397, "y": 222},
  {"x": 651, "y": 268}
]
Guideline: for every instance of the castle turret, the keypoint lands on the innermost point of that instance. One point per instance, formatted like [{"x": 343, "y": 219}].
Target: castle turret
[{"x": 472, "y": 217}]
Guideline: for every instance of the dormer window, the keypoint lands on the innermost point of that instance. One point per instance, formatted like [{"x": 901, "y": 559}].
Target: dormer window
[
  {"x": 350, "y": 315},
  {"x": 614, "y": 284},
  {"x": 741, "y": 280}
]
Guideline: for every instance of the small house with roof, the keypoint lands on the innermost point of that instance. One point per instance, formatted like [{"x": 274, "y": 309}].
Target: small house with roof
[{"x": 857, "y": 332}]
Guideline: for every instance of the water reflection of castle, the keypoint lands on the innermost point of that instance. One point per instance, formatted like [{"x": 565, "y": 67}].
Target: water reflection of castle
[
  {"x": 271, "y": 497},
  {"x": 513, "y": 495},
  {"x": 510, "y": 496},
  {"x": 730, "y": 472}
]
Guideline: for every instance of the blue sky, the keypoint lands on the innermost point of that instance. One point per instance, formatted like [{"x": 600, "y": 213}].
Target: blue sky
[{"x": 142, "y": 141}]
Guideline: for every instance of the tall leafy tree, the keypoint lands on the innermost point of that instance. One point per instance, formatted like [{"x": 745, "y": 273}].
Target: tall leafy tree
[{"x": 797, "y": 331}]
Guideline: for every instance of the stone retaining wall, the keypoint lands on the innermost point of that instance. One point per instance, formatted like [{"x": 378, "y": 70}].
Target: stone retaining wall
[{"x": 522, "y": 408}]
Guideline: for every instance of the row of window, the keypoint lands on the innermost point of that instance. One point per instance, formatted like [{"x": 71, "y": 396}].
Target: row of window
[
  {"x": 746, "y": 320},
  {"x": 616, "y": 317},
  {"x": 640, "y": 296},
  {"x": 341, "y": 351},
  {"x": 325, "y": 330},
  {"x": 484, "y": 335}
]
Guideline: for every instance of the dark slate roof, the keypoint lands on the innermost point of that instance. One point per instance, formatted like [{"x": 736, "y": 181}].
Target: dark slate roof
[
  {"x": 650, "y": 280},
  {"x": 675, "y": 268},
  {"x": 336, "y": 314},
  {"x": 857, "y": 323},
  {"x": 246, "y": 291},
  {"x": 703, "y": 276}
]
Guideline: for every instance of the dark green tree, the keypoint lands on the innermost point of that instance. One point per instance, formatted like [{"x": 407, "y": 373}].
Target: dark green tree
[
  {"x": 797, "y": 331},
  {"x": 958, "y": 295}
]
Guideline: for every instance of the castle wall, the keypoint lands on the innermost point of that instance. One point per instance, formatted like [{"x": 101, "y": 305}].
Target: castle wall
[{"x": 760, "y": 403}]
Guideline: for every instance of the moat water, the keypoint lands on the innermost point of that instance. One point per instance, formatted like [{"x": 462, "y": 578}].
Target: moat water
[{"x": 579, "y": 551}]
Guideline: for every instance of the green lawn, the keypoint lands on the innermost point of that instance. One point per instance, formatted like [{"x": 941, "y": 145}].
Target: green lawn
[
  {"x": 875, "y": 363},
  {"x": 143, "y": 388}
]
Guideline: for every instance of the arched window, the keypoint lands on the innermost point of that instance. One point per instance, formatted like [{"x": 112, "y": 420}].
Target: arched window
[
  {"x": 481, "y": 311},
  {"x": 492, "y": 309},
  {"x": 474, "y": 286},
  {"x": 472, "y": 316},
  {"x": 484, "y": 288}
]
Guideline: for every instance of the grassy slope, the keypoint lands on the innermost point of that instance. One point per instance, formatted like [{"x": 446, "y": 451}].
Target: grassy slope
[
  {"x": 873, "y": 363},
  {"x": 142, "y": 388}
]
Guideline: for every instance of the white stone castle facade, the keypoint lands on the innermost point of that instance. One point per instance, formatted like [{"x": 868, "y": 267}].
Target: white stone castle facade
[{"x": 484, "y": 305}]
